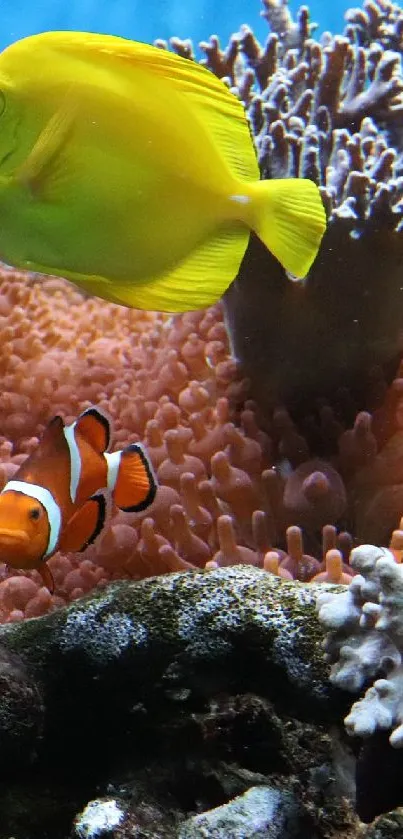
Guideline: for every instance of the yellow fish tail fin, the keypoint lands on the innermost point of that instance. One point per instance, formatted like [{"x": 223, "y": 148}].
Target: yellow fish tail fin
[
  {"x": 289, "y": 218},
  {"x": 198, "y": 281}
]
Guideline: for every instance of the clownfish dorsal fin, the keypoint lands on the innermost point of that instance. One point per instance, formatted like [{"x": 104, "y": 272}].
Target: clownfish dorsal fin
[
  {"x": 51, "y": 447},
  {"x": 52, "y": 439},
  {"x": 53, "y": 429},
  {"x": 85, "y": 525},
  {"x": 94, "y": 426}
]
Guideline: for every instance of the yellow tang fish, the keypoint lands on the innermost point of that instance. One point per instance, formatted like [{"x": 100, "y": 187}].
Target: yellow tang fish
[{"x": 132, "y": 172}]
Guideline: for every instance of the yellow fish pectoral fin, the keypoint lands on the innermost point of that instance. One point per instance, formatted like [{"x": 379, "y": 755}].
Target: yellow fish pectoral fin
[
  {"x": 199, "y": 281},
  {"x": 43, "y": 170}
]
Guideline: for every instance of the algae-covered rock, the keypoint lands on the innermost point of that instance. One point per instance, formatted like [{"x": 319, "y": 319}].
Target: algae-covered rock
[
  {"x": 174, "y": 695},
  {"x": 201, "y": 618}
]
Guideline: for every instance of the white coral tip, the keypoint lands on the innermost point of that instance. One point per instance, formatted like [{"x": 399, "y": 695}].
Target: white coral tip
[{"x": 396, "y": 738}]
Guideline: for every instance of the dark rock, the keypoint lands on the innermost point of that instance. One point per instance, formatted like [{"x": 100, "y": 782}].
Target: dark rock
[
  {"x": 21, "y": 713},
  {"x": 173, "y": 696},
  {"x": 378, "y": 760},
  {"x": 260, "y": 813},
  {"x": 389, "y": 826}
]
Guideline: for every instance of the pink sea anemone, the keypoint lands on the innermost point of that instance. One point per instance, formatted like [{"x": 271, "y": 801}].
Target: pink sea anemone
[{"x": 229, "y": 491}]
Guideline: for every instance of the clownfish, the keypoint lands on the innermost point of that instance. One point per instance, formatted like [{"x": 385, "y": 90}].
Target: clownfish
[
  {"x": 57, "y": 500},
  {"x": 131, "y": 171}
]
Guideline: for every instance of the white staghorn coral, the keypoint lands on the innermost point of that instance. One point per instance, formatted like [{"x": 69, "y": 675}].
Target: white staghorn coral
[{"x": 365, "y": 640}]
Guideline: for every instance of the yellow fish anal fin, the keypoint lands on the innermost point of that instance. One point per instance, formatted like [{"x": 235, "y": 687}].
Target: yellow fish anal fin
[
  {"x": 199, "y": 281},
  {"x": 42, "y": 171}
]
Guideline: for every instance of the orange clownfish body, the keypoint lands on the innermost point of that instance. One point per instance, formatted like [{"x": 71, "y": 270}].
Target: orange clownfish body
[{"x": 57, "y": 499}]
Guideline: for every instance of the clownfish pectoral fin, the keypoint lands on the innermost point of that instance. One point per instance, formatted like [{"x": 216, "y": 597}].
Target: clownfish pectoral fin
[
  {"x": 85, "y": 525},
  {"x": 94, "y": 426},
  {"x": 47, "y": 576},
  {"x": 131, "y": 478}
]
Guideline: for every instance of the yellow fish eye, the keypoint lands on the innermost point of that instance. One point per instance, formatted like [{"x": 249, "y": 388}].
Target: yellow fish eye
[{"x": 34, "y": 513}]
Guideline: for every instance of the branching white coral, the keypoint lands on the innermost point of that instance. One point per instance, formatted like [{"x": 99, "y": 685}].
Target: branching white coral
[{"x": 365, "y": 640}]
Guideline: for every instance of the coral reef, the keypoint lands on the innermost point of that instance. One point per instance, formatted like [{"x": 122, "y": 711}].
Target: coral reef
[
  {"x": 364, "y": 641},
  {"x": 331, "y": 110},
  {"x": 240, "y": 480},
  {"x": 271, "y": 469}
]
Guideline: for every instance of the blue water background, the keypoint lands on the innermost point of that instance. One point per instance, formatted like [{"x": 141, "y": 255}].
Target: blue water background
[{"x": 145, "y": 20}]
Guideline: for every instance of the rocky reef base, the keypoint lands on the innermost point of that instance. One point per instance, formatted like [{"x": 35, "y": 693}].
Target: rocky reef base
[{"x": 186, "y": 705}]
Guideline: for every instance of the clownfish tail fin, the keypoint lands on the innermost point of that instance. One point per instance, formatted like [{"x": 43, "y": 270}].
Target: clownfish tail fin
[{"x": 131, "y": 478}]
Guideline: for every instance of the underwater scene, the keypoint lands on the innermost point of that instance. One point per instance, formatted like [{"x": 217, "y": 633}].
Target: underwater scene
[{"x": 201, "y": 420}]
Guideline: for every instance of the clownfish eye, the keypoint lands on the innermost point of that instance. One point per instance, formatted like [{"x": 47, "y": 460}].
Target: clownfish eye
[{"x": 34, "y": 513}]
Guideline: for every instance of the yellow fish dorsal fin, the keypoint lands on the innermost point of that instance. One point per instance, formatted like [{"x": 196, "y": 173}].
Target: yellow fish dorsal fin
[
  {"x": 42, "y": 167},
  {"x": 106, "y": 49},
  {"x": 216, "y": 108}
]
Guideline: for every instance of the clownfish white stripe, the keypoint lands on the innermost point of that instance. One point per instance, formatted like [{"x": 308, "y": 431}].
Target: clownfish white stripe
[
  {"x": 75, "y": 460},
  {"x": 113, "y": 463},
  {"x": 48, "y": 502}
]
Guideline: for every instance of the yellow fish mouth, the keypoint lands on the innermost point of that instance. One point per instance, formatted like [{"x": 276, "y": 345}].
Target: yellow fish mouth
[{"x": 13, "y": 536}]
